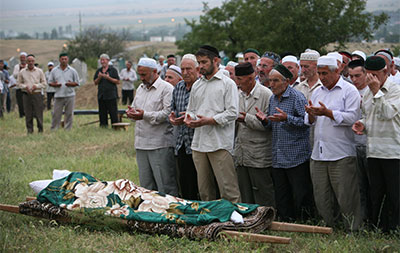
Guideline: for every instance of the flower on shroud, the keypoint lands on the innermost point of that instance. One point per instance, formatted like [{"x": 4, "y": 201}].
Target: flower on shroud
[
  {"x": 116, "y": 210},
  {"x": 153, "y": 203},
  {"x": 91, "y": 196},
  {"x": 125, "y": 189}
]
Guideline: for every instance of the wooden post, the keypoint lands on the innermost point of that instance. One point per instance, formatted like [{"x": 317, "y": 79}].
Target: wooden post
[
  {"x": 9, "y": 208},
  {"x": 250, "y": 237},
  {"x": 290, "y": 227}
]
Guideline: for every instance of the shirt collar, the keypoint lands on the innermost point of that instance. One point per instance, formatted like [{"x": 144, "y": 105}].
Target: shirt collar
[
  {"x": 155, "y": 85},
  {"x": 339, "y": 84},
  {"x": 287, "y": 92},
  {"x": 218, "y": 75}
]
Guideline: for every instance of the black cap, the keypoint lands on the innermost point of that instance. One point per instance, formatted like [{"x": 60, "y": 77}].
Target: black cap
[
  {"x": 374, "y": 63},
  {"x": 211, "y": 49},
  {"x": 170, "y": 55},
  {"x": 356, "y": 63},
  {"x": 244, "y": 69},
  {"x": 284, "y": 71}
]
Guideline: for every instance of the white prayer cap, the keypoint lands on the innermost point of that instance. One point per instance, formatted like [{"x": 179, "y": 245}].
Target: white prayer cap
[
  {"x": 50, "y": 63},
  {"x": 161, "y": 56},
  {"x": 327, "y": 60},
  {"x": 289, "y": 58},
  {"x": 360, "y": 53},
  {"x": 191, "y": 57},
  {"x": 23, "y": 54},
  {"x": 310, "y": 55},
  {"x": 104, "y": 56},
  {"x": 231, "y": 63},
  {"x": 396, "y": 61},
  {"x": 176, "y": 69},
  {"x": 336, "y": 55},
  {"x": 147, "y": 62}
]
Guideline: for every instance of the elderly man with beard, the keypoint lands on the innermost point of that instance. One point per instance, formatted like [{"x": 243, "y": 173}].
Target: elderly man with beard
[
  {"x": 291, "y": 63},
  {"x": 187, "y": 175},
  {"x": 253, "y": 151},
  {"x": 381, "y": 124},
  {"x": 290, "y": 147},
  {"x": 212, "y": 111},
  {"x": 31, "y": 81},
  {"x": 333, "y": 109},
  {"x": 153, "y": 133},
  {"x": 267, "y": 62},
  {"x": 107, "y": 79}
]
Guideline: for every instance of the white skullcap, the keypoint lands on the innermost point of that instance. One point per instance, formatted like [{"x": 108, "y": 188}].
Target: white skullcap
[
  {"x": 176, "y": 69},
  {"x": 191, "y": 57},
  {"x": 161, "y": 56},
  {"x": 310, "y": 55},
  {"x": 50, "y": 63},
  {"x": 231, "y": 63},
  {"x": 360, "y": 53},
  {"x": 148, "y": 62},
  {"x": 396, "y": 61},
  {"x": 289, "y": 58},
  {"x": 327, "y": 60},
  {"x": 23, "y": 54},
  {"x": 336, "y": 55},
  {"x": 104, "y": 56}
]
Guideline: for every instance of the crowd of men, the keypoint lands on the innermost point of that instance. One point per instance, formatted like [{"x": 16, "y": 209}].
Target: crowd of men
[
  {"x": 317, "y": 136},
  {"x": 314, "y": 136}
]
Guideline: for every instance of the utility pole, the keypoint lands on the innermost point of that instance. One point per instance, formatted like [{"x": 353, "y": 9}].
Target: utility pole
[{"x": 80, "y": 23}]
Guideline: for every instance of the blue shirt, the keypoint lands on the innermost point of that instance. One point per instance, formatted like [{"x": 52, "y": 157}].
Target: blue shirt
[
  {"x": 290, "y": 138},
  {"x": 180, "y": 100}
]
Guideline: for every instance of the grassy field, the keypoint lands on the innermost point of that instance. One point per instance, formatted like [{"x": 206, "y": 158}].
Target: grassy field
[{"x": 109, "y": 155}]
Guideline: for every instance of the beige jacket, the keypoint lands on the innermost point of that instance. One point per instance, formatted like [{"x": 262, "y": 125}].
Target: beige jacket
[
  {"x": 28, "y": 78},
  {"x": 253, "y": 143}
]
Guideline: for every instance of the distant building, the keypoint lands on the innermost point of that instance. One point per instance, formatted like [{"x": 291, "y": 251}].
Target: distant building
[
  {"x": 169, "y": 38},
  {"x": 155, "y": 38}
]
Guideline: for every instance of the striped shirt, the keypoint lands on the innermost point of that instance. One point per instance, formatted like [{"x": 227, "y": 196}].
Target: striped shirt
[
  {"x": 381, "y": 118},
  {"x": 180, "y": 100}
]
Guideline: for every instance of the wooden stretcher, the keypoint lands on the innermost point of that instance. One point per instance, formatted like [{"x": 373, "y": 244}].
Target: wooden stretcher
[{"x": 235, "y": 235}]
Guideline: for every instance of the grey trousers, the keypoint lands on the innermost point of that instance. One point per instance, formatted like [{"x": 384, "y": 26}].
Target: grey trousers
[
  {"x": 59, "y": 104},
  {"x": 256, "y": 185},
  {"x": 157, "y": 170},
  {"x": 336, "y": 191},
  {"x": 217, "y": 165}
]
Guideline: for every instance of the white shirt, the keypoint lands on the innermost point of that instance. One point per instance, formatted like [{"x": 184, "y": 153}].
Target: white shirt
[
  {"x": 334, "y": 139},
  {"x": 395, "y": 78},
  {"x": 154, "y": 131},
  {"x": 381, "y": 118},
  {"x": 131, "y": 75},
  {"x": 49, "y": 87},
  {"x": 217, "y": 98}
]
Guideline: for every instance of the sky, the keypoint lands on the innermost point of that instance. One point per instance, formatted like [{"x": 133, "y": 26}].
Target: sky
[{"x": 43, "y": 15}]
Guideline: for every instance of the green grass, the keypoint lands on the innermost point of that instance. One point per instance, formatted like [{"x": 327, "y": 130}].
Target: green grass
[{"x": 109, "y": 155}]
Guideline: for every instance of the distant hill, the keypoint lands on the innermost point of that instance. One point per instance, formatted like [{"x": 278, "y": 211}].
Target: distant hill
[{"x": 385, "y": 5}]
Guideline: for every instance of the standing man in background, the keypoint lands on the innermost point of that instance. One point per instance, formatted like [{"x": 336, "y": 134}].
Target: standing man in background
[
  {"x": 31, "y": 81},
  {"x": 107, "y": 79},
  {"x": 63, "y": 79},
  {"x": 128, "y": 77},
  {"x": 50, "y": 90},
  {"x": 18, "y": 92}
]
